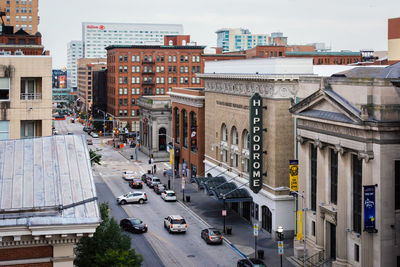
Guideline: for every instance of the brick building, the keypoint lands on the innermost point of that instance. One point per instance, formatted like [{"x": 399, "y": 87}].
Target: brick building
[
  {"x": 136, "y": 70},
  {"x": 86, "y": 66},
  {"x": 20, "y": 41},
  {"x": 393, "y": 40},
  {"x": 21, "y": 14},
  {"x": 329, "y": 58},
  {"x": 188, "y": 106}
]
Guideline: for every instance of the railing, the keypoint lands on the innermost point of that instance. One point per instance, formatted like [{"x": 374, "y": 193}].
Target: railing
[
  {"x": 316, "y": 259},
  {"x": 147, "y": 62},
  {"x": 148, "y": 82},
  {"x": 31, "y": 96}
]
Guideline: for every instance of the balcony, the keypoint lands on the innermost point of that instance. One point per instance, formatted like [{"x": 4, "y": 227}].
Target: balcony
[
  {"x": 148, "y": 83},
  {"x": 31, "y": 96},
  {"x": 149, "y": 72},
  {"x": 147, "y": 62}
]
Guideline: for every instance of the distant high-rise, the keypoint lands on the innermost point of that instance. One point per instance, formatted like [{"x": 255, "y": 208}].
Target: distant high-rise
[
  {"x": 394, "y": 40},
  {"x": 74, "y": 53},
  {"x": 97, "y": 36},
  {"x": 237, "y": 39},
  {"x": 22, "y": 14}
]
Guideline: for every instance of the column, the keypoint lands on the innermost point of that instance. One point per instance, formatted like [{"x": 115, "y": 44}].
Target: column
[{"x": 322, "y": 164}]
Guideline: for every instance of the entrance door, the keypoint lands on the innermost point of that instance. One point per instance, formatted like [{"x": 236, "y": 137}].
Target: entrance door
[
  {"x": 162, "y": 137},
  {"x": 333, "y": 240},
  {"x": 246, "y": 210},
  {"x": 266, "y": 218}
]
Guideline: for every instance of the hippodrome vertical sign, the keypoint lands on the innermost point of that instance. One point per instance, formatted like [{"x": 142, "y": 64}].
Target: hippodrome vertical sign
[{"x": 256, "y": 146}]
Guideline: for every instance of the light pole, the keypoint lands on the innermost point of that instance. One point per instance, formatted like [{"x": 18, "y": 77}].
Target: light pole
[
  {"x": 104, "y": 122},
  {"x": 173, "y": 163},
  {"x": 280, "y": 236}
]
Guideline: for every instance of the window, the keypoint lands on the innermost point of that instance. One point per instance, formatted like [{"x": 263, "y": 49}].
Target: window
[
  {"x": 121, "y": 112},
  {"x": 234, "y": 160},
  {"x": 198, "y": 58},
  {"x": 133, "y": 113},
  {"x": 162, "y": 69},
  {"x": 334, "y": 176},
  {"x": 158, "y": 69},
  {"x": 357, "y": 193},
  {"x": 125, "y": 91},
  {"x": 133, "y": 58},
  {"x": 30, "y": 128},
  {"x": 137, "y": 58},
  {"x": 246, "y": 143},
  {"x": 224, "y": 134},
  {"x": 177, "y": 133},
  {"x": 169, "y": 59},
  {"x": 356, "y": 252},
  {"x": 157, "y": 91},
  {"x": 173, "y": 58},
  {"x": 4, "y": 89},
  {"x": 121, "y": 91},
  {"x": 120, "y": 69},
  {"x": 125, "y": 69},
  {"x": 224, "y": 155},
  {"x": 30, "y": 89},
  {"x": 397, "y": 184},
  {"x": 4, "y": 130},
  {"x": 313, "y": 177},
  {"x": 185, "y": 128},
  {"x": 235, "y": 138},
  {"x": 138, "y": 91},
  {"x": 137, "y": 79},
  {"x": 193, "y": 58},
  {"x": 313, "y": 228},
  {"x": 162, "y": 90},
  {"x": 169, "y": 79}
]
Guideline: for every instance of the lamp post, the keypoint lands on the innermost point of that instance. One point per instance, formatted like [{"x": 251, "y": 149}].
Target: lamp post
[
  {"x": 280, "y": 244},
  {"x": 173, "y": 163},
  {"x": 104, "y": 121}
]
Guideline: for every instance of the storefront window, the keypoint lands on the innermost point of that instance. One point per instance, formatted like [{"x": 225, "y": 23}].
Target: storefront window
[
  {"x": 185, "y": 128},
  {"x": 177, "y": 133},
  {"x": 193, "y": 131}
]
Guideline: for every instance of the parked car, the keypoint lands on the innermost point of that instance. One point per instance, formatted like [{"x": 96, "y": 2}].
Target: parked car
[
  {"x": 85, "y": 129},
  {"x": 250, "y": 262},
  {"x": 175, "y": 223},
  {"x": 168, "y": 195},
  {"x": 146, "y": 176},
  {"x": 89, "y": 141},
  {"x": 159, "y": 188},
  {"x": 131, "y": 197},
  {"x": 133, "y": 225},
  {"x": 94, "y": 135},
  {"x": 153, "y": 181},
  {"x": 55, "y": 132},
  {"x": 128, "y": 175},
  {"x": 212, "y": 236},
  {"x": 70, "y": 133},
  {"x": 136, "y": 183}
]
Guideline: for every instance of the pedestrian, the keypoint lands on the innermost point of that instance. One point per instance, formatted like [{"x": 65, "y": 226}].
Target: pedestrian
[{"x": 155, "y": 168}]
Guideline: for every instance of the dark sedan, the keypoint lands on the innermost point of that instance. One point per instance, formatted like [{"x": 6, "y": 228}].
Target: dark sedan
[
  {"x": 136, "y": 183},
  {"x": 159, "y": 188},
  {"x": 250, "y": 262},
  {"x": 212, "y": 236},
  {"x": 133, "y": 225}
]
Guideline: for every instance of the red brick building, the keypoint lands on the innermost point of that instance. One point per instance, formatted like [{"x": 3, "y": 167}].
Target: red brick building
[
  {"x": 329, "y": 58},
  {"x": 136, "y": 70},
  {"x": 394, "y": 40},
  {"x": 20, "y": 41},
  {"x": 188, "y": 128}
]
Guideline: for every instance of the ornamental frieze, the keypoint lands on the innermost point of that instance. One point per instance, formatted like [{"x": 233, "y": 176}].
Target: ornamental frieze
[{"x": 331, "y": 128}]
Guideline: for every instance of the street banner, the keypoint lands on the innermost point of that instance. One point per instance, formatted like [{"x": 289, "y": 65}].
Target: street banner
[
  {"x": 294, "y": 174},
  {"x": 171, "y": 156},
  {"x": 369, "y": 209},
  {"x": 280, "y": 247},
  {"x": 299, "y": 225},
  {"x": 256, "y": 143}
]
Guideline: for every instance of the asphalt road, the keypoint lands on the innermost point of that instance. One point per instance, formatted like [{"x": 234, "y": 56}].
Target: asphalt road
[{"x": 172, "y": 249}]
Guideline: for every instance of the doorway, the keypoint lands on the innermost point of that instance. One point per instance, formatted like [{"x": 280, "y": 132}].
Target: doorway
[
  {"x": 332, "y": 244},
  {"x": 266, "y": 217}
]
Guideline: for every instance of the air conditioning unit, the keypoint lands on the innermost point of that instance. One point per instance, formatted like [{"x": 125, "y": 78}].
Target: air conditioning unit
[{"x": 18, "y": 53}]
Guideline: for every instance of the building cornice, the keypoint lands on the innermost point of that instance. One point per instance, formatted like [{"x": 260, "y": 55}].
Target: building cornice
[{"x": 189, "y": 100}]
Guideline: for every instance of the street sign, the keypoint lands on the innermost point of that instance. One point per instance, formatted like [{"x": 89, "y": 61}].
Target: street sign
[
  {"x": 280, "y": 247},
  {"x": 256, "y": 143},
  {"x": 223, "y": 212},
  {"x": 255, "y": 229}
]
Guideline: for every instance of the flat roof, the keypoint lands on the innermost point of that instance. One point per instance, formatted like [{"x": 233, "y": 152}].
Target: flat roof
[
  {"x": 341, "y": 53},
  {"x": 156, "y": 46}
]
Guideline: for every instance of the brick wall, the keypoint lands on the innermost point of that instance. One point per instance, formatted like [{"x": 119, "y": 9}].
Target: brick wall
[
  {"x": 26, "y": 253},
  {"x": 42, "y": 264}
]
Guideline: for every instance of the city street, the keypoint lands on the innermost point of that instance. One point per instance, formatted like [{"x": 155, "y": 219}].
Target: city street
[{"x": 157, "y": 245}]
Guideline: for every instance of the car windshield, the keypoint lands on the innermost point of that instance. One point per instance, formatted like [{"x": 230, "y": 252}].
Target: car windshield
[
  {"x": 215, "y": 232},
  {"x": 136, "y": 221},
  {"x": 136, "y": 180},
  {"x": 156, "y": 180},
  {"x": 171, "y": 194},
  {"x": 179, "y": 221}
]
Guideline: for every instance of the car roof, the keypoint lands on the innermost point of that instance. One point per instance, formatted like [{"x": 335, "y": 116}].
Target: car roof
[
  {"x": 129, "y": 172},
  {"x": 169, "y": 191},
  {"x": 176, "y": 217}
]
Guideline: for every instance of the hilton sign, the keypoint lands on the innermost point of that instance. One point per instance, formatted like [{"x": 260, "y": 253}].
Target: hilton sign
[{"x": 256, "y": 146}]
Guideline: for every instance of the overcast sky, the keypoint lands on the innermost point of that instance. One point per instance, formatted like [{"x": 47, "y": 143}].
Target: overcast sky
[{"x": 341, "y": 24}]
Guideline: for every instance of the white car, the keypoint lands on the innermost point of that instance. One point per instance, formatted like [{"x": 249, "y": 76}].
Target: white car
[
  {"x": 128, "y": 175},
  {"x": 94, "y": 135},
  {"x": 168, "y": 195},
  {"x": 175, "y": 223},
  {"x": 132, "y": 197}
]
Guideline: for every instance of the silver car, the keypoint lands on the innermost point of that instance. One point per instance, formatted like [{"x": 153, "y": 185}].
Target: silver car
[{"x": 132, "y": 197}]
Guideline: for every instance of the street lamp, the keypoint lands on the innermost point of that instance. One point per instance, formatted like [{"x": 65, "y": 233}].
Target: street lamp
[
  {"x": 173, "y": 163},
  {"x": 280, "y": 236}
]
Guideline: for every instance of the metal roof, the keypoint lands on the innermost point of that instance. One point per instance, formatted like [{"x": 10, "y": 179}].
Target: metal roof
[{"x": 47, "y": 181}]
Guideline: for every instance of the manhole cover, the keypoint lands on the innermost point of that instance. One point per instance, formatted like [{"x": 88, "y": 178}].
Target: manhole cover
[{"x": 191, "y": 256}]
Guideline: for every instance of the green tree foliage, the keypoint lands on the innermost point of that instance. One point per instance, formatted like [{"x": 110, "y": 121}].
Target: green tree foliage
[
  {"x": 94, "y": 157},
  {"x": 83, "y": 115},
  {"x": 108, "y": 246},
  {"x": 98, "y": 125}
]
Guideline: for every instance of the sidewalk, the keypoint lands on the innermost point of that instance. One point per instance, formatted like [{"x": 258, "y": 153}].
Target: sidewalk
[{"x": 209, "y": 209}]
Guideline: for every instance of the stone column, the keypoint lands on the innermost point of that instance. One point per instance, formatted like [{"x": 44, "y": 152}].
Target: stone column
[
  {"x": 367, "y": 241},
  {"x": 63, "y": 255},
  {"x": 322, "y": 163},
  {"x": 344, "y": 176}
]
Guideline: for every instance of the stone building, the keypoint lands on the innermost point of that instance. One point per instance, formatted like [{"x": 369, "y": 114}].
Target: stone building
[
  {"x": 348, "y": 134},
  {"x": 228, "y": 88},
  {"x": 155, "y": 125},
  {"x": 25, "y": 96}
]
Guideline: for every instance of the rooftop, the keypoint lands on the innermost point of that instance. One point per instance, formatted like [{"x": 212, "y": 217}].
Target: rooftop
[
  {"x": 316, "y": 53},
  {"x": 155, "y": 47}
]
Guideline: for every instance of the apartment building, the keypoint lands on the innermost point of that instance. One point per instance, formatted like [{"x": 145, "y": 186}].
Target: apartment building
[
  {"x": 74, "y": 52},
  {"x": 22, "y": 14},
  {"x": 86, "y": 67},
  {"x": 25, "y": 96},
  {"x": 237, "y": 39},
  {"x": 97, "y": 36},
  {"x": 135, "y": 70}
]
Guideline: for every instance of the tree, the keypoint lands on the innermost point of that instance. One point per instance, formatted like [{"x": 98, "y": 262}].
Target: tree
[
  {"x": 94, "y": 157},
  {"x": 108, "y": 246}
]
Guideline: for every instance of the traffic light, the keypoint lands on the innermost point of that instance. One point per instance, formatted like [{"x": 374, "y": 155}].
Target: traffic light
[
  {"x": 110, "y": 118},
  {"x": 151, "y": 155}
]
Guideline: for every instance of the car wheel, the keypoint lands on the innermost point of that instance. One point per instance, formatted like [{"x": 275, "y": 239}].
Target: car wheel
[
  {"x": 165, "y": 226},
  {"x": 169, "y": 230},
  {"x": 145, "y": 230},
  {"x": 141, "y": 201},
  {"x": 123, "y": 202}
]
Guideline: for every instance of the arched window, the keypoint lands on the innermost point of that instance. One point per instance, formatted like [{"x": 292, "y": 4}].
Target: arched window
[
  {"x": 193, "y": 131},
  {"x": 234, "y": 136},
  {"x": 162, "y": 138},
  {"x": 224, "y": 134},
  {"x": 170, "y": 42},
  {"x": 246, "y": 142},
  {"x": 266, "y": 217},
  {"x": 183, "y": 42},
  {"x": 177, "y": 130},
  {"x": 185, "y": 128}
]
